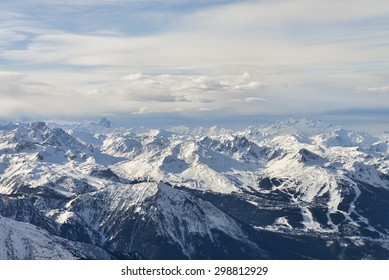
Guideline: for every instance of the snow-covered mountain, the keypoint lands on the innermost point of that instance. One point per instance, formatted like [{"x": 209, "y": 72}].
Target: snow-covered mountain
[
  {"x": 286, "y": 190},
  {"x": 24, "y": 241}
]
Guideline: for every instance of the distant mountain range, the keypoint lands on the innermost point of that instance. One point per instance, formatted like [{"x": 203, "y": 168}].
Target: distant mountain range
[{"x": 295, "y": 189}]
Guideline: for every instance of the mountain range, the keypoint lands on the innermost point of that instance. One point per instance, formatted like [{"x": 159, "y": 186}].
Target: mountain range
[{"x": 294, "y": 189}]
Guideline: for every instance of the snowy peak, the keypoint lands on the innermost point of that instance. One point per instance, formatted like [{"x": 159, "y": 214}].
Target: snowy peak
[
  {"x": 303, "y": 127},
  {"x": 213, "y": 131},
  {"x": 308, "y": 157},
  {"x": 236, "y": 147},
  {"x": 21, "y": 136},
  {"x": 37, "y": 138},
  {"x": 103, "y": 125},
  {"x": 104, "y": 122},
  {"x": 345, "y": 138},
  {"x": 160, "y": 133},
  {"x": 381, "y": 147}
]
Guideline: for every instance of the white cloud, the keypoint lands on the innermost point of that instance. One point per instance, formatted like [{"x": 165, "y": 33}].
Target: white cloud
[
  {"x": 248, "y": 99},
  {"x": 260, "y": 35},
  {"x": 379, "y": 90},
  {"x": 132, "y": 94},
  {"x": 22, "y": 96},
  {"x": 181, "y": 93},
  {"x": 191, "y": 83}
]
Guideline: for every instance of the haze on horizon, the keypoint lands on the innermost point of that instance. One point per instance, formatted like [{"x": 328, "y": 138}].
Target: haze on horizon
[{"x": 193, "y": 62}]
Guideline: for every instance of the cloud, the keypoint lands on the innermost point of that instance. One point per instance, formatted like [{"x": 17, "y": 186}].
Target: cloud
[
  {"x": 22, "y": 96},
  {"x": 198, "y": 60},
  {"x": 262, "y": 35},
  {"x": 312, "y": 10},
  {"x": 166, "y": 93},
  {"x": 248, "y": 99},
  {"x": 181, "y": 88},
  {"x": 192, "y": 83},
  {"x": 378, "y": 90},
  {"x": 132, "y": 94}
]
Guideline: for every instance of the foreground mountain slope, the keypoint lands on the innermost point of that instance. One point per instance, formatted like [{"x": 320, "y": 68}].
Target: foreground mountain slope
[
  {"x": 287, "y": 190},
  {"x": 23, "y": 241}
]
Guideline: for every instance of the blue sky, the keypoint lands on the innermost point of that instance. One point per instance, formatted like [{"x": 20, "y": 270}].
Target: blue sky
[{"x": 196, "y": 62}]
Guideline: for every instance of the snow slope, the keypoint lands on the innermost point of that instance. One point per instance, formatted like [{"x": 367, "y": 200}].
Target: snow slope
[{"x": 23, "y": 241}]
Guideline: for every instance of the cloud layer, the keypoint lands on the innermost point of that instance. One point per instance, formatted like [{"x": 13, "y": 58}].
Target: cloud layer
[
  {"x": 198, "y": 58},
  {"x": 133, "y": 94}
]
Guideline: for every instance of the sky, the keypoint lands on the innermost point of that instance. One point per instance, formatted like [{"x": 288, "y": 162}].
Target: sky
[{"x": 196, "y": 62}]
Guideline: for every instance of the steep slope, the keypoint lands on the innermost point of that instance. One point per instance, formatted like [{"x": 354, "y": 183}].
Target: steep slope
[{"x": 22, "y": 241}]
